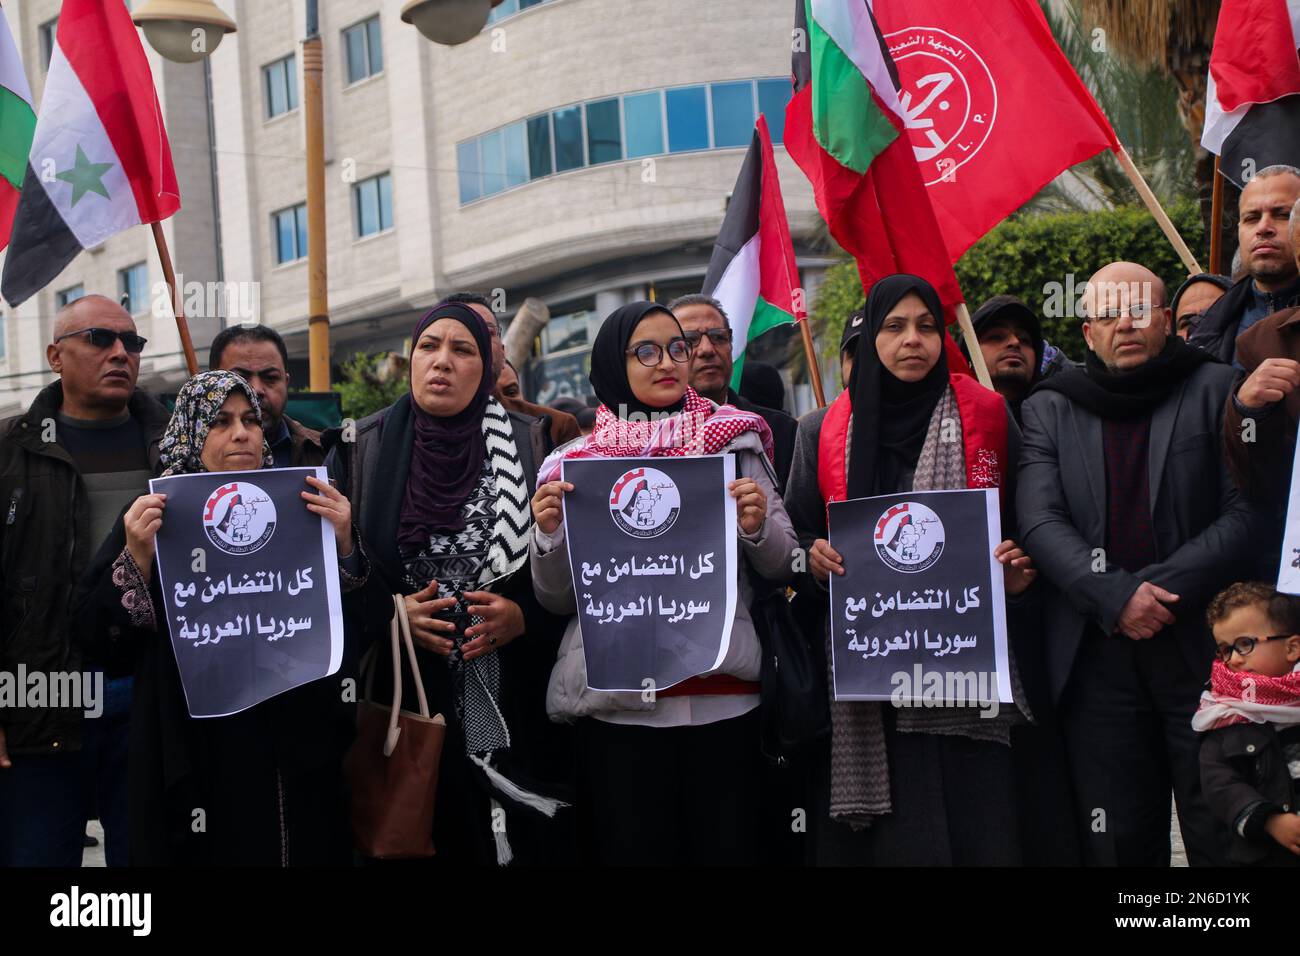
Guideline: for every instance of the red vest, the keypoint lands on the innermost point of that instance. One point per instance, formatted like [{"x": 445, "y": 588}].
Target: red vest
[{"x": 983, "y": 430}]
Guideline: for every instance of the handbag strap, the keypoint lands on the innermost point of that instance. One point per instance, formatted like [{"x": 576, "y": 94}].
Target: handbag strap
[{"x": 400, "y": 632}]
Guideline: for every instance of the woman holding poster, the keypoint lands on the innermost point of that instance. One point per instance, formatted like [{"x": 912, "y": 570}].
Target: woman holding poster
[
  {"x": 911, "y": 785},
  {"x": 669, "y": 776},
  {"x": 441, "y": 480},
  {"x": 259, "y": 787}
]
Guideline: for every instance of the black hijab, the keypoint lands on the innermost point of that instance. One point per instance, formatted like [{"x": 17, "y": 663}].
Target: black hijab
[
  {"x": 447, "y": 452},
  {"x": 609, "y": 360},
  {"x": 1120, "y": 395},
  {"x": 890, "y": 416}
]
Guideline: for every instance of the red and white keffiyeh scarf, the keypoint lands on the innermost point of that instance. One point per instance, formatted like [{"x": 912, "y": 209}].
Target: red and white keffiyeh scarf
[
  {"x": 700, "y": 428},
  {"x": 1238, "y": 697}
]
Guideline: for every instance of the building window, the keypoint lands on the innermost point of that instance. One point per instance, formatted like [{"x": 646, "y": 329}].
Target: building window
[
  {"x": 365, "y": 52},
  {"x": 48, "y": 32},
  {"x": 289, "y": 233},
  {"x": 69, "y": 295},
  {"x": 733, "y": 113},
  {"x": 4, "y": 338},
  {"x": 508, "y": 8},
  {"x": 688, "y": 119},
  {"x": 683, "y": 119},
  {"x": 133, "y": 287},
  {"x": 374, "y": 204},
  {"x": 281, "y": 85}
]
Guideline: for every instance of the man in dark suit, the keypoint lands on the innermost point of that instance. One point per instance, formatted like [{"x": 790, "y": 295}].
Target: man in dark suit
[
  {"x": 1126, "y": 506},
  {"x": 708, "y": 330}
]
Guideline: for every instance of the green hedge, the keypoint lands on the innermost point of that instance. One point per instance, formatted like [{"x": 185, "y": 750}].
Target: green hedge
[{"x": 1032, "y": 256}]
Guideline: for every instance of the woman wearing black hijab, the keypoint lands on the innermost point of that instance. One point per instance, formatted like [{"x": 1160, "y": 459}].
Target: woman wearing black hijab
[
  {"x": 440, "y": 482},
  {"x": 673, "y": 778},
  {"x": 932, "y": 786}
]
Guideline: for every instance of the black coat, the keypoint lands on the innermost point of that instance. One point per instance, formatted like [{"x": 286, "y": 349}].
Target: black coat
[
  {"x": 784, "y": 428},
  {"x": 1242, "y": 765},
  {"x": 45, "y": 547}
]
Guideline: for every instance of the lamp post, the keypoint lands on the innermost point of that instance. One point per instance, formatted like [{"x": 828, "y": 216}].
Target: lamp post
[{"x": 188, "y": 30}]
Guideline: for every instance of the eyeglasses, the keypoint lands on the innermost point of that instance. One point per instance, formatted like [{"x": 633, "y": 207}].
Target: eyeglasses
[
  {"x": 651, "y": 354},
  {"x": 716, "y": 336},
  {"x": 1137, "y": 311},
  {"x": 1244, "y": 646},
  {"x": 104, "y": 338}
]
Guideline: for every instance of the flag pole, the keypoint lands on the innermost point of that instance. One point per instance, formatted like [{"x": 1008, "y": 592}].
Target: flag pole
[
  {"x": 169, "y": 274},
  {"x": 1153, "y": 204},
  {"x": 973, "y": 346},
  {"x": 1216, "y": 223},
  {"x": 814, "y": 370}
]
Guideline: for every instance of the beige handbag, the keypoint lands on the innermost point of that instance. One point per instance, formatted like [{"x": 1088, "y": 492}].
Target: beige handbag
[{"x": 392, "y": 767}]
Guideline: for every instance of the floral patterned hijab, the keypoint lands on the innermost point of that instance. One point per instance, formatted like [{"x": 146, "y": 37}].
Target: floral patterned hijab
[{"x": 197, "y": 405}]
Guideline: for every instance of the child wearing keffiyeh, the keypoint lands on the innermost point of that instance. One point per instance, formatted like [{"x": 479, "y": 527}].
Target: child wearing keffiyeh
[{"x": 1250, "y": 721}]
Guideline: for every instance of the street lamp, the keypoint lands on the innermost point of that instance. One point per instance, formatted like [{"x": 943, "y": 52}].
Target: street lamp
[
  {"x": 184, "y": 31},
  {"x": 448, "y": 21}
]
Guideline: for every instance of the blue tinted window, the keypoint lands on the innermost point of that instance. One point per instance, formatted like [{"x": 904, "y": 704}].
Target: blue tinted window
[
  {"x": 539, "y": 146},
  {"x": 131, "y": 284},
  {"x": 374, "y": 204},
  {"x": 467, "y": 171},
  {"x": 643, "y": 114},
  {"x": 493, "y": 159},
  {"x": 604, "y": 138},
  {"x": 733, "y": 113},
  {"x": 289, "y": 228},
  {"x": 568, "y": 138},
  {"x": 773, "y": 95},
  {"x": 516, "y": 155},
  {"x": 688, "y": 119}
]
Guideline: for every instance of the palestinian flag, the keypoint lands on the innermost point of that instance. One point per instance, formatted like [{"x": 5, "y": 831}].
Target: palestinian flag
[
  {"x": 99, "y": 161},
  {"x": 845, "y": 127},
  {"x": 1252, "y": 109},
  {"x": 752, "y": 271},
  {"x": 17, "y": 123}
]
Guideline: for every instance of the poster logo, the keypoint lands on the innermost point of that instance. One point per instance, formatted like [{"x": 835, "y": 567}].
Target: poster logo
[
  {"x": 909, "y": 537},
  {"x": 239, "y": 518},
  {"x": 644, "y": 503},
  {"x": 948, "y": 96}
]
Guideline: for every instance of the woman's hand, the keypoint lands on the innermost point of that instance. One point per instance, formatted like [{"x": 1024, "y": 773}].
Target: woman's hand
[
  {"x": 503, "y": 621},
  {"x": 1018, "y": 570},
  {"x": 332, "y": 505},
  {"x": 751, "y": 505},
  {"x": 548, "y": 505},
  {"x": 823, "y": 560},
  {"x": 427, "y": 630},
  {"x": 142, "y": 521}
]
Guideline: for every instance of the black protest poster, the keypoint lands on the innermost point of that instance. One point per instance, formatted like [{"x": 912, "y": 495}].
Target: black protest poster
[
  {"x": 652, "y": 551},
  {"x": 250, "y": 582},
  {"x": 919, "y": 616}
]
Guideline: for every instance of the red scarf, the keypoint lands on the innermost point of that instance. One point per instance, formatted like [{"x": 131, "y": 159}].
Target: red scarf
[
  {"x": 1238, "y": 697},
  {"x": 700, "y": 428}
]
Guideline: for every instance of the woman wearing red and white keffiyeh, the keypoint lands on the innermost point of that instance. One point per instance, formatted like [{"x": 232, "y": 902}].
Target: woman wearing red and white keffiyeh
[
  {"x": 673, "y": 776},
  {"x": 1250, "y": 718}
]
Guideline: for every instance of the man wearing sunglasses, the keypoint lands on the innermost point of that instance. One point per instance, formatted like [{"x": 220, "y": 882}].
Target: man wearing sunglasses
[
  {"x": 708, "y": 332},
  {"x": 84, "y": 449}
]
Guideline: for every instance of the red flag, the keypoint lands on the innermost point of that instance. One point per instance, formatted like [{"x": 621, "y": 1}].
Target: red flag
[
  {"x": 994, "y": 109},
  {"x": 1252, "y": 34}
]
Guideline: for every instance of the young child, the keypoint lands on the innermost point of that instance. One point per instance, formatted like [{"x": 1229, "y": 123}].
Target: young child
[{"x": 1250, "y": 723}]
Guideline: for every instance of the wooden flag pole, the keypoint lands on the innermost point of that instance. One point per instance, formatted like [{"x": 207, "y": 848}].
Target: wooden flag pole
[
  {"x": 973, "y": 346},
  {"x": 169, "y": 274},
  {"x": 1216, "y": 223},
  {"x": 1161, "y": 217},
  {"x": 814, "y": 370}
]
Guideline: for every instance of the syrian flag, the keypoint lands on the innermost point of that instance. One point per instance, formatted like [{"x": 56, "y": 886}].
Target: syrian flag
[
  {"x": 752, "y": 272},
  {"x": 1252, "y": 108},
  {"x": 994, "y": 110},
  {"x": 17, "y": 123},
  {"x": 845, "y": 128},
  {"x": 99, "y": 160}
]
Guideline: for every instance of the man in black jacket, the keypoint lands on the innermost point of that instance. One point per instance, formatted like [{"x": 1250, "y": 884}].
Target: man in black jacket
[
  {"x": 1271, "y": 283},
  {"x": 84, "y": 449},
  {"x": 708, "y": 330},
  {"x": 1126, "y": 506}
]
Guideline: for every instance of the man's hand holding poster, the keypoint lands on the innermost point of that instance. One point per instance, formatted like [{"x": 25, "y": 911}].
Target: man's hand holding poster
[
  {"x": 250, "y": 582},
  {"x": 652, "y": 550},
  {"x": 919, "y": 616}
]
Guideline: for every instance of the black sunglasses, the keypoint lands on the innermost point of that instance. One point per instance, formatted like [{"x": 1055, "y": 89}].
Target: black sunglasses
[
  {"x": 104, "y": 338},
  {"x": 651, "y": 354},
  {"x": 1244, "y": 645},
  {"x": 716, "y": 336}
]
